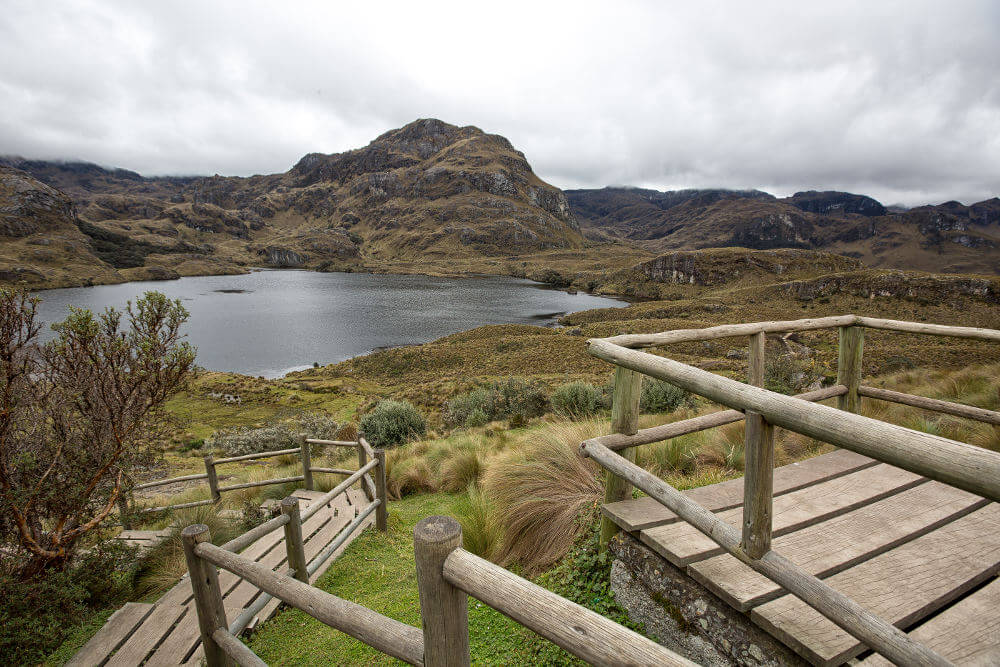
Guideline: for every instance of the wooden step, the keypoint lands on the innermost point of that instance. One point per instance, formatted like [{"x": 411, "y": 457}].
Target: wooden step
[
  {"x": 902, "y": 586},
  {"x": 841, "y": 542},
  {"x": 967, "y": 633},
  {"x": 114, "y": 633},
  {"x": 682, "y": 543},
  {"x": 142, "y": 642},
  {"x": 641, "y": 513}
]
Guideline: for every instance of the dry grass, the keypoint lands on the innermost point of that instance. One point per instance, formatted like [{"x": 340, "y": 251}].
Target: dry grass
[{"x": 538, "y": 494}]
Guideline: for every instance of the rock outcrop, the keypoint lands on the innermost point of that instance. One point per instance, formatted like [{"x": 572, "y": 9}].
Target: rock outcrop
[{"x": 40, "y": 239}]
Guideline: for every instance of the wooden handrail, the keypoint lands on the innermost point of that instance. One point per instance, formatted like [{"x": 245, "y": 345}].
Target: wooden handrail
[
  {"x": 946, "y": 407},
  {"x": 241, "y": 542},
  {"x": 381, "y": 632},
  {"x": 162, "y": 482},
  {"x": 258, "y": 455},
  {"x": 337, "y": 490},
  {"x": 646, "y": 436},
  {"x": 962, "y": 465},
  {"x": 845, "y": 612},
  {"x": 236, "y": 649},
  {"x": 335, "y": 443},
  {"x": 751, "y": 328},
  {"x": 729, "y": 331},
  {"x": 580, "y": 631}
]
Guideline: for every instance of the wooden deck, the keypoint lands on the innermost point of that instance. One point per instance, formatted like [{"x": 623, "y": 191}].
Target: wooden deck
[
  {"x": 166, "y": 632},
  {"x": 921, "y": 554}
]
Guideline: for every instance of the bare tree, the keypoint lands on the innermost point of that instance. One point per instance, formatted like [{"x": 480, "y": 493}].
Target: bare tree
[{"x": 78, "y": 414}]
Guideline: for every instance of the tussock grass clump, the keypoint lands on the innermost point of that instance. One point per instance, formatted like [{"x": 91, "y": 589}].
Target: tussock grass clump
[
  {"x": 482, "y": 533},
  {"x": 539, "y": 493},
  {"x": 164, "y": 565}
]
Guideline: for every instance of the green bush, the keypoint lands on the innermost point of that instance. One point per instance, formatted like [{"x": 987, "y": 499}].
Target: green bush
[
  {"x": 576, "y": 399},
  {"x": 459, "y": 410},
  {"x": 36, "y": 614},
  {"x": 477, "y": 417},
  {"x": 393, "y": 423},
  {"x": 513, "y": 399},
  {"x": 660, "y": 396}
]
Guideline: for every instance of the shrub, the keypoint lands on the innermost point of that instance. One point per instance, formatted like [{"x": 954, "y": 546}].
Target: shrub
[
  {"x": 576, "y": 399},
  {"x": 392, "y": 423},
  {"x": 513, "y": 399},
  {"x": 37, "y": 614},
  {"x": 660, "y": 396},
  {"x": 275, "y": 435},
  {"x": 459, "y": 410}
]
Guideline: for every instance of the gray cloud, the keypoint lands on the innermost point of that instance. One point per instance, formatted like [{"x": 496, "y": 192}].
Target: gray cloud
[{"x": 896, "y": 99}]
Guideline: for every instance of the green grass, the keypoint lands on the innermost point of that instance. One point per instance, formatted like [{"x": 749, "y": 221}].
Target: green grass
[{"x": 377, "y": 572}]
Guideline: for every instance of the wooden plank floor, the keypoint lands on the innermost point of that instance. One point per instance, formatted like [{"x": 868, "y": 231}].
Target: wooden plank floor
[
  {"x": 166, "y": 633},
  {"x": 921, "y": 554}
]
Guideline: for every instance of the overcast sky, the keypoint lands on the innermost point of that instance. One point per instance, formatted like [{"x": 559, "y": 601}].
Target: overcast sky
[{"x": 900, "y": 100}]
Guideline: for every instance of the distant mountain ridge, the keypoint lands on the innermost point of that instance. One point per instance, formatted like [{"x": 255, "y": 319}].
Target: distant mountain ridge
[
  {"x": 949, "y": 237},
  {"x": 436, "y": 197}
]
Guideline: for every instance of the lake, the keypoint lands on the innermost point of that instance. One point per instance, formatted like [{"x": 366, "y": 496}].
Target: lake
[{"x": 271, "y": 322}]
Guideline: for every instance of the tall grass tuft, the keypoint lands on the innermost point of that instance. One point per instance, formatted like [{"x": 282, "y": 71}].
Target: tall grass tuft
[
  {"x": 460, "y": 470},
  {"x": 481, "y": 532},
  {"x": 538, "y": 495}
]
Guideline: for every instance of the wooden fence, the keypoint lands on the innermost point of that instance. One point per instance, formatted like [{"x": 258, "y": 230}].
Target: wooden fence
[
  {"x": 366, "y": 455},
  {"x": 962, "y": 465},
  {"x": 446, "y": 575}
]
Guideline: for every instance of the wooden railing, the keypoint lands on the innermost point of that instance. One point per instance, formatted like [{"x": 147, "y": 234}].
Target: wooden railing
[
  {"x": 962, "y": 465},
  {"x": 446, "y": 575},
  {"x": 303, "y": 451}
]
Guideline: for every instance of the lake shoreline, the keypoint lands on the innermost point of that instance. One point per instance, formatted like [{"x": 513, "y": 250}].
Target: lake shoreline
[{"x": 272, "y": 322}]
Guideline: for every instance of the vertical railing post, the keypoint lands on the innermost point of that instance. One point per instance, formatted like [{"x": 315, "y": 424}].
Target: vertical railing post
[
  {"x": 213, "y": 478},
  {"x": 758, "y": 468},
  {"x": 306, "y": 455},
  {"x": 294, "y": 546},
  {"x": 207, "y": 594},
  {"x": 624, "y": 420},
  {"x": 851, "y": 349},
  {"x": 444, "y": 608},
  {"x": 362, "y": 461},
  {"x": 382, "y": 511}
]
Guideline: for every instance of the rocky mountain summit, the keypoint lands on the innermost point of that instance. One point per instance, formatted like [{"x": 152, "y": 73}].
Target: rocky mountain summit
[
  {"x": 949, "y": 237},
  {"x": 426, "y": 190}
]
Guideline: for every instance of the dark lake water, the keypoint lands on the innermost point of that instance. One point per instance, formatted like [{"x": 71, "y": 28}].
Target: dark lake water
[{"x": 272, "y": 322}]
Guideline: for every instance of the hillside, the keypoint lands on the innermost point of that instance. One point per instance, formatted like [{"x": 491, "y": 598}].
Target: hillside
[
  {"x": 947, "y": 238},
  {"x": 429, "y": 191},
  {"x": 40, "y": 238}
]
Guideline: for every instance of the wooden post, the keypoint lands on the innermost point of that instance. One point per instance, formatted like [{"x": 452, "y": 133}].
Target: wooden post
[
  {"x": 213, "y": 478},
  {"x": 306, "y": 463},
  {"x": 362, "y": 460},
  {"x": 758, "y": 468},
  {"x": 294, "y": 547},
  {"x": 382, "y": 511},
  {"x": 207, "y": 595},
  {"x": 444, "y": 608},
  {"x": 852, "y": 343},
  {"x": 624, "y": 420}
]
